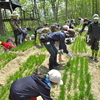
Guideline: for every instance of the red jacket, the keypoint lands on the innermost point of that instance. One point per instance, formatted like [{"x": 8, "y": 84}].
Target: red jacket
[{"x": 8, "y": 45}]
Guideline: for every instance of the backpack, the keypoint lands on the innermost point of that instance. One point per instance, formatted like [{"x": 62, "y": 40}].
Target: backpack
[{"x": 43, "y": 37}]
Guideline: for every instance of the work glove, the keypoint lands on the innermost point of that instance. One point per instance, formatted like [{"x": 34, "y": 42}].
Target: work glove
[{"x": 69, "y": 54}]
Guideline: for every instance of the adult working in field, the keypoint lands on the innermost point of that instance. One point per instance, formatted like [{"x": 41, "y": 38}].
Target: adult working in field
[
  {"x": 51, "y": 38},
  {"x": 39, "y": 30},
  {"x": 15, "y": 24},
  {"x": 35, "y": 85},
  {"x": 94, "y": 33},
  {"x": 8, "y": 45},
  {"x": 85, "y": 23}
]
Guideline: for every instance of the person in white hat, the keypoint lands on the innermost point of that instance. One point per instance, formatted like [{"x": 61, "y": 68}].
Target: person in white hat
[
  {"x": 94, "y": 33},
  {"x": 15, "y": 24},
  {"x": 30, "y": 87}
]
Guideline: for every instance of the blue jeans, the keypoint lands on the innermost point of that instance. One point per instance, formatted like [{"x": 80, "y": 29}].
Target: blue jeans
[{"x": 53, "y": 53}]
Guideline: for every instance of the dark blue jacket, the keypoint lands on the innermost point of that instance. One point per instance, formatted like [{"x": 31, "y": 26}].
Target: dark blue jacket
[
  {"x": 58, "y": 36},
  {"x": 31, "y": 86},
  {"x": 94, "y": 30},
  {"x": 84, "y": 25}
]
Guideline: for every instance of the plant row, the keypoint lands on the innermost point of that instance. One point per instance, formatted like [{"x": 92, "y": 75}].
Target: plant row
[
  {"x": 27, "y": 69},
  {"x": 77, "y": 80}
]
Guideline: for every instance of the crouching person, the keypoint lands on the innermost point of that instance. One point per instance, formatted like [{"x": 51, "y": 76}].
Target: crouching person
[
  {"x": 30, "y": 87},
  {"x": 8, "y": 45}
]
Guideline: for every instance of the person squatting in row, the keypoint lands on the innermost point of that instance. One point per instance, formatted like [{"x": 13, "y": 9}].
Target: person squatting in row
[{"x": 30, "y": 87}]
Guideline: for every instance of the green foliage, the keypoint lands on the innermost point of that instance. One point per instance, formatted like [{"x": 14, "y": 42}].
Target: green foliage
[
  {"x": 5, "y": 58},
  {"x": 26, "y": 45}
]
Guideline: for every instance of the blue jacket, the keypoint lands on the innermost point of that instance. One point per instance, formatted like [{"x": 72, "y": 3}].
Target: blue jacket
[
  {"x": 27, "y": 87},
  {"x": 58, "y": 36}
]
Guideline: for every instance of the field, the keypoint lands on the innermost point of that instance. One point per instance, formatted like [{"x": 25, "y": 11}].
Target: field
[{"x": 81, "y": 75}]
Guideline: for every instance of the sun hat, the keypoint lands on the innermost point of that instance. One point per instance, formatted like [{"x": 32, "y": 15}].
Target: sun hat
[
  {"x": 65, "y": 27},
  {"x": 14, "y": 13},
  {"x": 55, "y": 76},
  {"x": 10, "y": 38},
  {"x": 95, "y": 16}
]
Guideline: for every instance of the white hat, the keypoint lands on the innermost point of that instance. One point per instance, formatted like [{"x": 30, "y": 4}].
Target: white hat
[
  {"x": 95, "y": 16},
  {"x": 14, "y": 13},
  {"x": 40, "y": 30},
  {"x": 55, "y": 76}
]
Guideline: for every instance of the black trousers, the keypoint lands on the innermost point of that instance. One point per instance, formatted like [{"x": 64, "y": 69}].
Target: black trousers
[
  {"x": 53, "y": 53},
  {"x": 16, "y": 33},
  {"x": 95, "y": 44}
]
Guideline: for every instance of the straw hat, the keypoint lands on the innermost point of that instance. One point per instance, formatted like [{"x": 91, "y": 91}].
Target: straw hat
[{"x": 14, "y": 13}]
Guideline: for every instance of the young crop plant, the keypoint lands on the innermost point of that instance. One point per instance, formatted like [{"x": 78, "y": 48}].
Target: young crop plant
[
  {"x": 5, "y": 58},
  {"x": 79, "y": 46},
  {"x": 62, "y": 95},
  {"x": 24, "y": 46},
  {"x": 76, "y": 97}
]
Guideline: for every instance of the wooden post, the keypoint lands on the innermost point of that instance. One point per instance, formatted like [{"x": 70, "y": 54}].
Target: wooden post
[{"x": 1, "y": 24}]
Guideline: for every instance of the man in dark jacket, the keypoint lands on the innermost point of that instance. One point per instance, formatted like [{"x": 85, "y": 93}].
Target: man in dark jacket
[
  {"x": 59, "y": 36},
  {"x": 94, "y": 33},
  {"x": 35, "y": 85}
]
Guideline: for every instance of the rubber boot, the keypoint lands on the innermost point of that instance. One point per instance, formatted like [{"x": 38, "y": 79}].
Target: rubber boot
[
  {"x": 93, "y": 51},
  {"x": 95, "y": 56}
]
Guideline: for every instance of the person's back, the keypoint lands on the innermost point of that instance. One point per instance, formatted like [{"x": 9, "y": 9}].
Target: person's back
[{"x": 35, "y": 85}]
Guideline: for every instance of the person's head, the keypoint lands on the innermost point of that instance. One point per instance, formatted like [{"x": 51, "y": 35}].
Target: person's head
[
  {"x": 79, "y": 18},
  {"x": 15, "y": 15},
  {"x": 95, "y": 17},
  {"x": 28, "y": 29},
  {"x": 65, "y": 27},
  {"x": 86, "y": 21},
  {"x": 11, "y": 39},
  {"x": 46, "y": 25},
  {"x": 55, "y": 77},
  {"x": 55, "y": 27}
]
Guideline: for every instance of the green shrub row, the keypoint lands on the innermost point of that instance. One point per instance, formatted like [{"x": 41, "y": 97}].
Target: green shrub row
[{"x": 27, "y": 69}]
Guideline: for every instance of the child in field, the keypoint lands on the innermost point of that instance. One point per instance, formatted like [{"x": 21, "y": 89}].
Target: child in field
[
  {"x": 8, "y": 45},
  {"x": 94, "y": 33}
]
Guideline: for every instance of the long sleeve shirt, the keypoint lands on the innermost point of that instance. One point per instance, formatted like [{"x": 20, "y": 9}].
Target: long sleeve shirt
[
  {"x": 8, "y": 45},
  {"x": 15, "y": 24},
  {"x": 27, "y": 87},
  {"x": 84, "y": 25}
]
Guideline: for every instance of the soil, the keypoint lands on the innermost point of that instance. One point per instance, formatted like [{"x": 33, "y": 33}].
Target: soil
[{"x": 14, "y": 65}]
